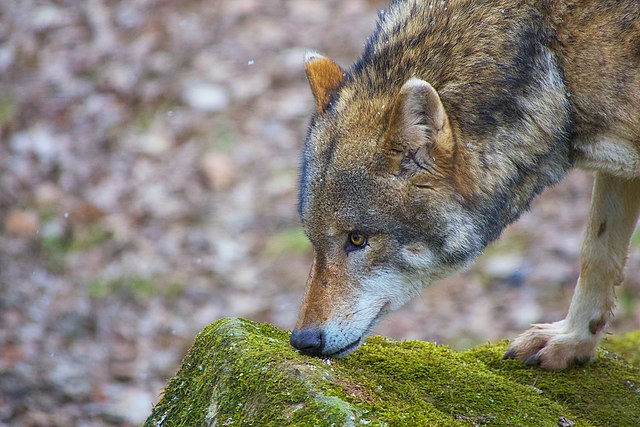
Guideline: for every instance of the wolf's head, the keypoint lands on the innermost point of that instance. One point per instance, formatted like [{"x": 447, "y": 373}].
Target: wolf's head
[{"x": 381, "y": 202}]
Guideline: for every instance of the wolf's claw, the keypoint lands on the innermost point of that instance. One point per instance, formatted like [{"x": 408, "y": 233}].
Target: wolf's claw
[
  {"x": 509, "y": 354},
  {"x": 551, "y": 346},
  {"x": 533, "y": 360}
]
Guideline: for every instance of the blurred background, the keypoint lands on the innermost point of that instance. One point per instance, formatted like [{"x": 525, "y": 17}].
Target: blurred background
[{"x": 148, "y": 165}]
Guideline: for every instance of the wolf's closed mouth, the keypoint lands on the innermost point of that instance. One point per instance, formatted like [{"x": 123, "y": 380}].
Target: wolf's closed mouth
[
  {"x": 347, "y": 349},
  {"x": 352, "y": 346}
]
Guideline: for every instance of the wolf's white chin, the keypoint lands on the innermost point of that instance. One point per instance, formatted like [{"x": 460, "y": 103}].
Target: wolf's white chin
[
  {"x": 339, "y": 342},
  {"x": 348, "y": 349}
]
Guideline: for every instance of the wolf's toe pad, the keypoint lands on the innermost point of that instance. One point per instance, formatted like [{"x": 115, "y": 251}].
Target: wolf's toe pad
[{"x": 548, "y": 346}]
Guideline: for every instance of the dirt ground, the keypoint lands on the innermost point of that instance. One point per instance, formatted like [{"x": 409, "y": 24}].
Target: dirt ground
[{"x": 148, "y": 166}]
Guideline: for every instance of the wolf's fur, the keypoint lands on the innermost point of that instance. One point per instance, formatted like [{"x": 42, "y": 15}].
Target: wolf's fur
[{"x": 456, "y": 115}]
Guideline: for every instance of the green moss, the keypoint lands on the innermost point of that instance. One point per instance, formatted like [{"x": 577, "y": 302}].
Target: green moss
[
  {"x": 596, "y": 393},
  {"x": 627, "y": 346},
  {"x": 242, "y": 373}
]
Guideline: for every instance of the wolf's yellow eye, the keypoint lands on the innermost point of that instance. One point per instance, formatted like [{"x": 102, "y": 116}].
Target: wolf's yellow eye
[{"x": 357, "y": 239}]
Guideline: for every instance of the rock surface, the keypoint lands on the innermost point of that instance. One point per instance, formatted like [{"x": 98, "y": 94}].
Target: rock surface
[{"x": 243, "y": 373}]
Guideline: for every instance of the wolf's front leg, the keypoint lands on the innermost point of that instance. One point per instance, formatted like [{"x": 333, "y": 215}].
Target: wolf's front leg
[{"x": 614, "y": 212}]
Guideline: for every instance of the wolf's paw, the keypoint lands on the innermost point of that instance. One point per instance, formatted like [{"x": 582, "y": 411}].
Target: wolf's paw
[{"x": 551, "y": 346}]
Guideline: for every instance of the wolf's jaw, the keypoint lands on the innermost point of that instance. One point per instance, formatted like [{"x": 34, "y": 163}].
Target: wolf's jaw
[
  {"x": 348, "y": 349},
  {"x": 351, "y": 347}
]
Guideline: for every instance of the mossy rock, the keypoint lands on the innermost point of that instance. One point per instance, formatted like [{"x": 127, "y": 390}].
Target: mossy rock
[
  {"x": 240, "y": 373},
  {"x": 627, "y": 346}
]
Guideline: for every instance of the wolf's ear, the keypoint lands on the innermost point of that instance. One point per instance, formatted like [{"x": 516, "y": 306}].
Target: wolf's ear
[
  {"x": 418, "y": 128},
  {"x": 324, "y": 77}
]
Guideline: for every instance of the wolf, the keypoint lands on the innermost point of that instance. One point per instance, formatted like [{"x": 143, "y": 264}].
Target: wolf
[{"x": 456, "y": 115}]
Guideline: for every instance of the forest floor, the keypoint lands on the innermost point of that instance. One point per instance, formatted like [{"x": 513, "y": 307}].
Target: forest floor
[{"x": 148, "y": 165}]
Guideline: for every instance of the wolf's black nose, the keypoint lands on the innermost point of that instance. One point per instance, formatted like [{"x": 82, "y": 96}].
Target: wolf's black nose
[{"x": 307, "y": 340}]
